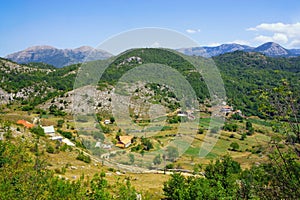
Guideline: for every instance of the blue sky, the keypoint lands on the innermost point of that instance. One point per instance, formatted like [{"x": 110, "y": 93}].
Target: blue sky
[{"x": 71, "y": 23}]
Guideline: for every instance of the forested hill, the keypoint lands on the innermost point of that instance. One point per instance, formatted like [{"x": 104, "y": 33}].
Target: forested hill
[
  {"x": 243, "y": 74},
  {"x": 246, "y": 73},
  {"x": 34, "y": 83}
]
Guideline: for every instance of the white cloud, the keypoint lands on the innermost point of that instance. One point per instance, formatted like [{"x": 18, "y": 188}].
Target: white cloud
[
  {"x": 192, "y": 31},
  {"x": 290, "y": 30},
  {"x": 280, "y": 37},
  {"x": 277, "y": 37},
  {"x": 263, "y": 39},
  {"x": 295, "y": 44},
  {"x": 288, "y": 34}
]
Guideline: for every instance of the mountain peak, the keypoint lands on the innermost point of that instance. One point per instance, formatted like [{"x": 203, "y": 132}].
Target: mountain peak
[
  {"x": 84, "y": 48},
  {"x": 272, "y": 49}
]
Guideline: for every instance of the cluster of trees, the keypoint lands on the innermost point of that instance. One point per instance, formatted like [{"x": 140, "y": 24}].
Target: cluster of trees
[
  {"x": 245, "y": 73},
  {"x": 24, "y": 176},
  {"x": 224, "y": 179},
  {"x": 277, "y": 178}
]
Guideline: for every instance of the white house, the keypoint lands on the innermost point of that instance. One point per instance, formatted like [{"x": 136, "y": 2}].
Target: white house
[
  {"x": 59, "y": 138},
  {"x": 49, "y": 130},
  {"x": 107, "y": 121},
  {"x": 68, "y": 142}
]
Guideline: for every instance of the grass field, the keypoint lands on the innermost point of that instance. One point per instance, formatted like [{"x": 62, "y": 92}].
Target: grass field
[{"x": 250, "y": 151}]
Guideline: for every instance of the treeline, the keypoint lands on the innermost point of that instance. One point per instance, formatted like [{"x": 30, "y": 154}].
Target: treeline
[
  {"x": 246, "y": 75},
  {"x": 224, "y": 179},
  {"x": 25, "y": 176}
]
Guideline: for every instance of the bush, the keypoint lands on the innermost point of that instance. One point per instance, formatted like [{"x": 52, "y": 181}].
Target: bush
[
  {"x": 38, "y": 131},
  {"x": 50, "y": 149},
  {"x": 60, "y": 123},
  {"x": 157, "y": 160},
  {"x": 236, "y": 116},
  {"x": 230, "y": 127},
  {"x": 248, "y": 125},
  {"x": 243, "y": 137},
  {"x": 147, "y": 144},
  {"x": 66, "y": 134},
  {"x": 234, "y": 146},
  {"x": 214, "y": 130},
  {"x": 84, "y": 158},
  {"x": 170, "y": 166},
  {"x": 200, "y": 131},
  {"x": 250, "y": 131}
]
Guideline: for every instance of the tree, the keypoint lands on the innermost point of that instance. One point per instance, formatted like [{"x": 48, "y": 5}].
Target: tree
[
  {"x": 234, "y": 146},
  {"x": 157, "y": 160},
  {"x": 248, "y": 125},
  {"x": 131, "y": 158},
  {"x": 112, "y": 120},
  {"x": 125, "y": 191},
  {"x": 172, "y": 153},
  {"x": 38, "y": 131},
  {"x": 147, "y": 143},
  {"x": 99, "y": 187},
  {"x": 60, "y": 123},
  {"x": 281, "y": 175},
  {"x": 220, "y": 182},
  {"x": 84, "y": 158},
  {"x": 282, "y": 105},
  {"x": 176, "y": 187}
]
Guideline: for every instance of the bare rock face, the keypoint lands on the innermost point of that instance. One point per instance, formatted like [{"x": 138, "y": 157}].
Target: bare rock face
[
  {"x": 272, "y": 49},
  {"x": 58, "y": 57},
  {"x": 4, "y": 97}
]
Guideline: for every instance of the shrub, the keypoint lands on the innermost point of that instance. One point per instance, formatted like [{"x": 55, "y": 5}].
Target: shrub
[
  {"x": 230, "y": 127},
  {"x": 243, "y": 137},
  {"x": 200, "y": 131},
  {"x": 38, "y": 131},
  {"x": 50, "y": 149},
  {"x": 234, "y": 146},
  {"x": 84, "y": 158},
  {"x": 170, "y": 166}
]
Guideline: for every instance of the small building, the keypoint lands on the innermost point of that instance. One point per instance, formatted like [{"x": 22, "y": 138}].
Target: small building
[
  {"x": 25, "y": 123},
  {"x": 181, "y": 113},
  {"x": 226, "y": 109},
  {"x": 68, "y": 142},
  {"x": 98, "y": 144},
  {"x": 49, "y": 130},
  {"x": 124, "y": 141},
  {"x": 107, "y": 121},
  {"x": 104, "y": 146},
  {"x": 59, "y": 138}
]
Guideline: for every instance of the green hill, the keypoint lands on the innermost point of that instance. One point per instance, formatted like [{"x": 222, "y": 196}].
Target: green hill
[{"x": 243, "y": 74}]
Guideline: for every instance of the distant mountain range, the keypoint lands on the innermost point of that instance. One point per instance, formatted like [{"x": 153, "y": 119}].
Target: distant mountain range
[
  {"x": 269, "y": 49},
  {"x": 63, "y": 57},
  {"x": 57, "y": 57}
]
